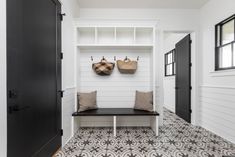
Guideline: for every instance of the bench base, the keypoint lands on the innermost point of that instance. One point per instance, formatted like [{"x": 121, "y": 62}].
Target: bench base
[
  {"x": 154, "y": 125},
  {"x": 115, "y": 112}
]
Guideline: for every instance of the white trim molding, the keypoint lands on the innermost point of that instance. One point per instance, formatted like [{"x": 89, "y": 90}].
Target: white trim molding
[
  {"x": 215, "y": 86},
  {"x": 3, "y": 81},
  {"x": 223, "y": 73}
]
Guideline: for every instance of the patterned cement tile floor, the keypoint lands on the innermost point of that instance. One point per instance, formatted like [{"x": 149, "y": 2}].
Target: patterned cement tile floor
[{"x": 176, "y": 139}]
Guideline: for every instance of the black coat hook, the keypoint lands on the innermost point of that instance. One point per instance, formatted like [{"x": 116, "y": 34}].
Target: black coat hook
[
  {"x": 103, "y": 58},
  {"x": 138, "y": 58},
  {"x": 91, "y": 58},
  {"x": 114, "y": 58},
  {"x": 61, "y": 16}
]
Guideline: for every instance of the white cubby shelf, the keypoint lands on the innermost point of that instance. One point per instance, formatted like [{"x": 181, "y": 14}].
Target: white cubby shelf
[
  {"x": 105, "y": 37},
  {"x": 119, "y": 41}
]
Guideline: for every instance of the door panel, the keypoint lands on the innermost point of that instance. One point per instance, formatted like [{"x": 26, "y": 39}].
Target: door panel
[
  {"x": 183, "y": 78},
  {"x": 33, "y": 77}
]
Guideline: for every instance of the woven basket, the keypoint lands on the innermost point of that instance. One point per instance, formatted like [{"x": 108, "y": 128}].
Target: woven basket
[
  {"x": 103, "y": 67},
  {"x": 127, "y": 66}
]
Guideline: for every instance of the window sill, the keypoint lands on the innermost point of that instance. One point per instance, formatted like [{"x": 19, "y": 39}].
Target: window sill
[
  {"x": 223, "y": 73},
  {"x": 169, "y": 77}
]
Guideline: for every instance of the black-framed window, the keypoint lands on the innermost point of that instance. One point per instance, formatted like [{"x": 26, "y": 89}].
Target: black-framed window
[
  {"x": 225, "y": 44},
  {"x": 170, "y": 63}
]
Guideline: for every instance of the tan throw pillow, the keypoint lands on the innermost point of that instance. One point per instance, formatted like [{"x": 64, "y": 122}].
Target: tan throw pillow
[
  {"x": 144, "y": 101},
  {"x": 87, "y": 101}
]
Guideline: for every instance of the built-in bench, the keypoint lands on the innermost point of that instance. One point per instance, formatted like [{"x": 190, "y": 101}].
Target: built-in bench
[{"x": 121, "y": 112}]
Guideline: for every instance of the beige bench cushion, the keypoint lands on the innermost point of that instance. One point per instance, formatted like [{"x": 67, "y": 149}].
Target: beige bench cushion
[
  {"x": 87, "y": 101},
  {"x": 144, "y": 101}
]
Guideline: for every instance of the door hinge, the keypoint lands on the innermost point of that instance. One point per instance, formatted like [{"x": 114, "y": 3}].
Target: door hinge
[
  {"x": 190, "y": 64},
  {"x": 17, "y": 108},
  {"x": 61, "y": 132},
  {"x": 61, "y": 55},
  {"x": 12, "y": 94},
  {"x": 190, "y": 88},
  {"x": 61, "y": 94},
  {"x": 190, "y": 41},
  {"x": 62, "y": 16},
  {"x": 190, "y": 111}
]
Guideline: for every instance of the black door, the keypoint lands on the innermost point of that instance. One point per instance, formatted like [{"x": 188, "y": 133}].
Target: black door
[
  {"x": 183, "y": 78},
  {"x": 33, "y": 77}
]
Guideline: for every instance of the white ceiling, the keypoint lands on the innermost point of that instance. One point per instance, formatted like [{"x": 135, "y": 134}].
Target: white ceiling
[{"x": 173, "y": 4}]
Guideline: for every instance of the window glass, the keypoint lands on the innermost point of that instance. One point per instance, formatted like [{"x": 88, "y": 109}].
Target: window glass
[
  {"x": 225, "y": 56},
  {"x": 218, "y": 35},
  {"x": 228, "y": 32},
  {"x": 169, "y": 63},
  {"x": 169, "y": 58},
  {"x": 225, "y": 44},
  {"x": 169, "y": 69}
]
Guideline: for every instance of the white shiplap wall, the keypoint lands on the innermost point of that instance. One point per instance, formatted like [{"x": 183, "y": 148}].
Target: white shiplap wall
[
  {"x": 116, "y": 90},
  {"x": 217, "y": 106}
]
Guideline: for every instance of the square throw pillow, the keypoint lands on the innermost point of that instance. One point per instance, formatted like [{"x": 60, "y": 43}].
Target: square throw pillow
[
  {"x": 87, "y": 101},
  {"x": 144, "y": 101}
]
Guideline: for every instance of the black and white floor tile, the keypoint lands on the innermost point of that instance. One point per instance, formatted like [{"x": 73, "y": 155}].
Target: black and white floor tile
[{"x": 176, "y": 138}]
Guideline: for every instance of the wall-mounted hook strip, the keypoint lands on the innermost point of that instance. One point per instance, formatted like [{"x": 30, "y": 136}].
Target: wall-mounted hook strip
[{"x": 138, "y": 58}]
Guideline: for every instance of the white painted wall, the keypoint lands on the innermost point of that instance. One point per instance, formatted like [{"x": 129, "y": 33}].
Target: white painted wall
[
  {"x": 68, "y": 42},
  {"x": 71, "y": 9},
  {"x": 170, "y": 19},
  {"x": 217, "y": 89},
  {"x": 3, "y": 103},
  {"x": 170, "y": 39}
]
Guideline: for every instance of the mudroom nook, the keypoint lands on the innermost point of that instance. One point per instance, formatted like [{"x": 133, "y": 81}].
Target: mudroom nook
[{"x": 116, "y": 92}]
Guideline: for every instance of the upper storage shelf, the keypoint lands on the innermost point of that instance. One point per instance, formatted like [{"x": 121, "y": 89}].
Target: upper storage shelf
[
  {"x": 144, "y": 35},
  {"x": 125, "y": 35},
  {"x": 86, "y": 35},
  {"x": 115, "y": 36},
  {"x": 105, "y": 35}
]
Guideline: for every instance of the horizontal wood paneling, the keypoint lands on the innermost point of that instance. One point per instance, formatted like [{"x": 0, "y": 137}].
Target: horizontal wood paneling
[
  {"x": 117, "y": 90},
  {"x": 169, "y": 93},
  {"x": 217, "y": 110}
]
